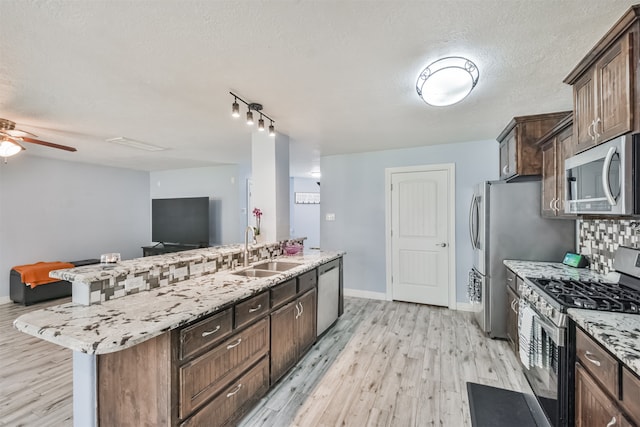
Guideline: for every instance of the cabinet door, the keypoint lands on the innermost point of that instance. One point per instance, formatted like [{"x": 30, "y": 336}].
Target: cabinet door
[
  {"x": 284, "y": 343},
  {"x": 307, "y": 321},
  {"x": 504, "y": 159},
  {"x": 549, "y": 170},
  {"x": 613, "y": 91},
  {"x": 564, "y": 150},
  {"x": 512, "y": 319},
  {"x": 593, "y": 408},
  {"x": 584, "y": 114}
]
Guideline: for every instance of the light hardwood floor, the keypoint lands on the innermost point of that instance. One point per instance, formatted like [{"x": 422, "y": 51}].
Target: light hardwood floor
[{"x": 382, "y": 364}]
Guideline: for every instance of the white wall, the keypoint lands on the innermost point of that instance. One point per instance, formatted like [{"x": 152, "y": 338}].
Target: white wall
[
  {"x": 223, "y": 184},
  {"x": 353, "y": 189},
  {"x": 305, "y": 218},
  {"x": 54, "y": 210}
]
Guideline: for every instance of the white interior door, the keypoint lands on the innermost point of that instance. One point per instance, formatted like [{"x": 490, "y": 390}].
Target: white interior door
[{"x": 420, "y": 247}]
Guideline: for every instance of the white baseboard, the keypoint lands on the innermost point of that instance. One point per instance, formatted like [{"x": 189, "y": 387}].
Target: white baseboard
[
  {"x": 465, "y": 306},
  {"x": 364, "y": 294},
  {"x": 5, "y": 300}
]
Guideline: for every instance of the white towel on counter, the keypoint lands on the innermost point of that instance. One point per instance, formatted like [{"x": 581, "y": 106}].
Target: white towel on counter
[{"x": 526, "y": 333}]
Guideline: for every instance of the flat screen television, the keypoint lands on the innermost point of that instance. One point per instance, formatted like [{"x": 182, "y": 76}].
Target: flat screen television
[{"x": 182, "y": 221}]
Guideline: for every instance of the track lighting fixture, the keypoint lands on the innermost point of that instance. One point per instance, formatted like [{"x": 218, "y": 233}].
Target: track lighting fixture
[{"x": 251, "y": 107}]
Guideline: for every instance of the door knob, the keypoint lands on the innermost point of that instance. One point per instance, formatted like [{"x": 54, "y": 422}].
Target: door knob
[{"x": 442, "y": 245}]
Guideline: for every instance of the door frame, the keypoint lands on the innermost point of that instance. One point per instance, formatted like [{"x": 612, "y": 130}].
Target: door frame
[{"x": 451, "y": 172}]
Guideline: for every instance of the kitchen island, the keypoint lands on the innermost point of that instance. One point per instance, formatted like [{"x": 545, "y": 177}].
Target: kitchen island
[{"x": 142, "y": 350}]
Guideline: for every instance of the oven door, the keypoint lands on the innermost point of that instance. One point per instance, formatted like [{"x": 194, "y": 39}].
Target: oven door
[
  {"x": 597, "y": 179},
  {"x": 547, "y": 367}
]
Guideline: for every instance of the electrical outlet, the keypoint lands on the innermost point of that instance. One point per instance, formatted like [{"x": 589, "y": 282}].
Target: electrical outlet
[{"x": 330, "y": 217}]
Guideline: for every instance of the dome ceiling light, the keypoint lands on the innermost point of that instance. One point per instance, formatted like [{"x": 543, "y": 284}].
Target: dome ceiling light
[{"x": 447, "y": 81}]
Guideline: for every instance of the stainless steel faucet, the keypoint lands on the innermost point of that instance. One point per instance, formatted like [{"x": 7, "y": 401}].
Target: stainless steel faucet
[{"x": 246, "y": 244}]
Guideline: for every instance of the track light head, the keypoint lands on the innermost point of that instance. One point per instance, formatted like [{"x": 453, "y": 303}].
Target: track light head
[
  {"x": 249, "y": 118},
  {"x": 261, "y": 124},
  {"x": 272, "y": 130},
  {"x": 235, "y": 109}
]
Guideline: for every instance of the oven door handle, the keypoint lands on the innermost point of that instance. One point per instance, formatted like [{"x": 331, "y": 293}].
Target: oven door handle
[
  {"x": 555, "y": 333},
  {"x": 606, "y": 168}
]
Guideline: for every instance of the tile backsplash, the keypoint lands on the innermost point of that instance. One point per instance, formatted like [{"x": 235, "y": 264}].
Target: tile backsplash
[{"x": 599, "y": 239}]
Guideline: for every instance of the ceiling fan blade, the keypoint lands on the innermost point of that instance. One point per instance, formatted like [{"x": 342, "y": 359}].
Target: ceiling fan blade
[
  {"x": 48, "y": 144},
  {"x": 19, "y": 133}
]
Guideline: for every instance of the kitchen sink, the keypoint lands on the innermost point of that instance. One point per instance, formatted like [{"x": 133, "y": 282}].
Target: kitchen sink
[
  {"x": 276, "y": 266},
  {"x": 252, "y": 272}
]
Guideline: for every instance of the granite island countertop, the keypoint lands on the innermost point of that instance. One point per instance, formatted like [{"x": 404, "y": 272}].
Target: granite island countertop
[
  {"x": 125, "y": 322},
  {"x": 617, "y": 332}
]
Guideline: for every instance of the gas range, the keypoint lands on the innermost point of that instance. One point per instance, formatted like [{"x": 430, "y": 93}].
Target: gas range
[{"x": 552, "y": 297}]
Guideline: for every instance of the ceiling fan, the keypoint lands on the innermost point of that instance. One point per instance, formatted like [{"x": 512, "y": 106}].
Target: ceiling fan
[{"x": 11, "y": 140}]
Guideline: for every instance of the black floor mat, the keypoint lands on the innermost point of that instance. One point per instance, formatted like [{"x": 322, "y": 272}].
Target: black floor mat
[{"x": 497, "y": 407}]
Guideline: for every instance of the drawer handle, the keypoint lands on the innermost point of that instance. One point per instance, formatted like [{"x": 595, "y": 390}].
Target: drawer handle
[
  {"x": 612, "y": 422},
  {"x": 207, "y": 333},
  {"x": 237, "y": 343},
  {"x": 237, "y": 389},
  {"x": 513, "y": 306},
  {"x": 591, "y": 358},
  {"x": 254, "y": 309}
]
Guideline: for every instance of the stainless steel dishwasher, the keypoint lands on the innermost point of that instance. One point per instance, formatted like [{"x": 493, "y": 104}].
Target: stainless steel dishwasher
[{"x": 328, "y": 294}]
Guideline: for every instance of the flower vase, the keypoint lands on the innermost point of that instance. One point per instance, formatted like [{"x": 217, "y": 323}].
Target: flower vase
[{"x": 259, "y": 238}]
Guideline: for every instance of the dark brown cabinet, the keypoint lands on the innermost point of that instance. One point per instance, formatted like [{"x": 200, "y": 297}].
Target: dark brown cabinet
[
  {"x": 606, "y": 393},
  {"x": 604, "y": 85},
  {"x": 210, "y": 372},
  {"x": 293, "y": 332},
  {"x": 593, "y": 407},
  {"x": 519, "y": 154},
  {"x": 556, "y": 146}
]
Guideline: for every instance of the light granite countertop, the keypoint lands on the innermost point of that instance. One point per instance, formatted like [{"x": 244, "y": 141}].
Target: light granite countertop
[
  {"x": 122, "y": 323},
  {"x": 556, "y": 270},
  {"x": 618, "y": 333}
]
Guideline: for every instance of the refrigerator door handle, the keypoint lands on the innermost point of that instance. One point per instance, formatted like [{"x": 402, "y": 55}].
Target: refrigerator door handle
[{"x": 471, "y": 228}]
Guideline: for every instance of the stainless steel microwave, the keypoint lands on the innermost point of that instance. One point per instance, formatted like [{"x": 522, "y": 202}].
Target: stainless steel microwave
[{"x": 603, "y": 179}]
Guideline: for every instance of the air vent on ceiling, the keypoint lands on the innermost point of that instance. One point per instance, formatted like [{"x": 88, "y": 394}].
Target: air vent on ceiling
[{"x": 135, "y": 144}]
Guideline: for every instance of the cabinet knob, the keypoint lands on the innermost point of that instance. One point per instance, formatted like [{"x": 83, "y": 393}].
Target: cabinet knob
[
  {"x": 505, "y": 170},
  {"x": 442, "y": 245}
]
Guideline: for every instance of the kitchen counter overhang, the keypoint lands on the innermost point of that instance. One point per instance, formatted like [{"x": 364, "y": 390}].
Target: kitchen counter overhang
[{"x": 125, "y": 322}]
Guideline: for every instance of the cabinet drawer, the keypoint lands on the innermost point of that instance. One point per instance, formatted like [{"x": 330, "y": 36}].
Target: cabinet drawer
[
  {"x": 307, "y": 281},
  {"x": 251, "y": 309},
  {"x": 511, "y": 280},
  {"x": 205, "y": 333},
  {"x": 206, "y": 375},
  {"x": 631, "y": 394},
  {"x": 597, "y": 361},
  {"x": 234, "y": 399},
  {"x": 283, "y": 292}
]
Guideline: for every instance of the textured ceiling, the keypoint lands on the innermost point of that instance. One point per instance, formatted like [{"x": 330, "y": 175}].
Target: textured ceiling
[{"x": 337, "y": 76}]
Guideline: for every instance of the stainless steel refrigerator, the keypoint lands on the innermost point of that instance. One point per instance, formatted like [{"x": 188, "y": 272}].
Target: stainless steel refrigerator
[{"x": 505, "y": 223}]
